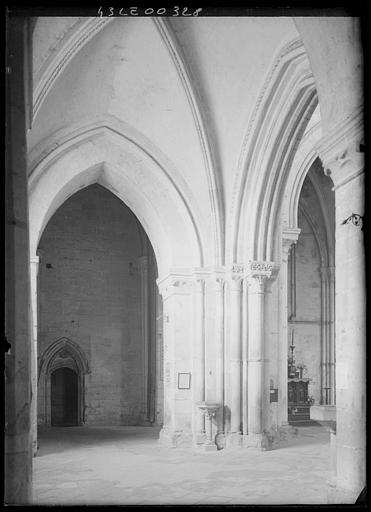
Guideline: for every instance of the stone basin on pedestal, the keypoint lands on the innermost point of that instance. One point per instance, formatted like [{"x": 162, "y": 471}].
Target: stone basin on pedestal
[
  {"x": 324, "y": 415},
  {"x": 208, "y": 409}
]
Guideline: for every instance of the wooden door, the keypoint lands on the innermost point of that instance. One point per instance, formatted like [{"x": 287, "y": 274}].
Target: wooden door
[{"x": 64, "y": 398}]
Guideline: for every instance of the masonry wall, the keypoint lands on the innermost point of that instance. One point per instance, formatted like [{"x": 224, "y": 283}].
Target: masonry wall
[{"x": 89, "y": 291}]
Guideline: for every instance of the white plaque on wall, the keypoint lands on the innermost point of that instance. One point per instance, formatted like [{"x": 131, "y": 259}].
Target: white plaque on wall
[{"x": 184, "y": 381}]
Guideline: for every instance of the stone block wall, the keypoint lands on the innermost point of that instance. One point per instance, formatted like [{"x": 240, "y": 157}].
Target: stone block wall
[{"x": 89, "y": 291}]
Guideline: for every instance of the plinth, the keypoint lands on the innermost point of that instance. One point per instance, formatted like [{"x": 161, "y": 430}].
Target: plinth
[{"x": 208, "y": 409}]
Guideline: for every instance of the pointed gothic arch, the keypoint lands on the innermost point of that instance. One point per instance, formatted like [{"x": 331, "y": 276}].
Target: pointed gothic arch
[{"x": 62, "y": 353}]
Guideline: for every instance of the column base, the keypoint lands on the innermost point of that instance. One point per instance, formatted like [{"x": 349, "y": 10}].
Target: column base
[
  {"x": 233, "y": 440},
  {"x": 208, "y": 447},
  {"x": 252, "y": 440},
  {"x": 287, "y": 432},
  {"x": 270, "y": 439},
  {"x": 199, "y": 438},
  {"x": 175, "y": 438}
]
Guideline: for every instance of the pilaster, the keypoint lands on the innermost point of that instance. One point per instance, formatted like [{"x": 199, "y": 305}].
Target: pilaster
[
  {"x": 177, "y": 294},
  {"x": 235, "y": 355},
  {"x": 34, "y": 268},
  {"x": 198, "y": 391},
  {"x": 219, "y": 285},
  {"x": 145, "y": 317}
]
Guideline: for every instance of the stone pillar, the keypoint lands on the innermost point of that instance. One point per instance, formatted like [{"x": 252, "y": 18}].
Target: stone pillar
[
  {"x": 324, "y": 337},
  {"x": 245, "y": 358},
  {"x": 143, "y": 271},
  {"x": 258, "y": 397},
  {"x": 219, "y": 342},
  {"x": 178, "y": 314},
  {"x": 331, "y": 333},
  {"x": 159, "y": 361},
  {"x": 289, "y": 237},
  {"x": 34, "y": 268},
  {"x": 235, "y": 348},
  {"x": 343, "y": 159},
  {"x": 18, "y": 445},
  {"x": 198, "y": 393}
]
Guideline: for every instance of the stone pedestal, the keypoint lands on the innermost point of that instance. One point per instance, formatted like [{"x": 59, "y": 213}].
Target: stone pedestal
[{"x": 208, "y": 409}]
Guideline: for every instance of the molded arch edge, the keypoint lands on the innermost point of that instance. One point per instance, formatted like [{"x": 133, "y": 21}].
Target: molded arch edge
[
  {"x": 100, "y": 154},
  {"x": 57, "y": 346},
  {"x": 305, "y": 159},
  {"x": 286, "y": 103}
]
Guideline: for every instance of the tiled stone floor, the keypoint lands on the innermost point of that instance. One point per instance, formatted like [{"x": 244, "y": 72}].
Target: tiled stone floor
[{"x": 127, "y": 465}]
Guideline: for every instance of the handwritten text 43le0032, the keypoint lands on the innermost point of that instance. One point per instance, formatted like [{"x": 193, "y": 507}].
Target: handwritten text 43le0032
[{"x": 149, "y": 11}]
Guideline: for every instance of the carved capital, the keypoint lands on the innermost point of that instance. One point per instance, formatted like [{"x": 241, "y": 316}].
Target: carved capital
[
  {"x": 257, "y": 267},
  {"x": 173, "y": 285},
  {"x": 289, "y": 238},
  {"x": 198, "y": 284},
  {"x": 34, "y": 260},
  {"x": 34, "y": 266},
  {"x": 235, "y": 282},
  {"x": 259, "y": 273},
  {"x": 238, "y": 268},
  {"x": 331, "y": 274},
  {"x": 219, "y": 283},
  {"x": 342, "y": 151}
]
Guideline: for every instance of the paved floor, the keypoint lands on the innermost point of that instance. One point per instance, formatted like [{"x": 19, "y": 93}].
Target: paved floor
[{"x": 127, "y": 465}]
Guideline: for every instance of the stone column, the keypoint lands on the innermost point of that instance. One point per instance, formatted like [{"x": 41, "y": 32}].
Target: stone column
[
  {"x": 18, "y": 444},
  {"x": 219, "y": 342},
  {"x": 159, "y": 361},
  {"x": 143, "y": 271},
  {"x": 235, "y": 358},
  {"x": 331, "y": 333},
  {"x": 324, "y": 336},
  {"x": 198, "y": 393},
  {"x": 257, "y": 397},
  {"x": 34, "y": 267},
  {"x": 289, "y": 237},
  {"x": 343, "y": 159},
  {"x": 245, "y": 358}
]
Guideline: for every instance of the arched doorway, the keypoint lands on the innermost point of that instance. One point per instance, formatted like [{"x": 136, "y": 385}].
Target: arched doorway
[
  {"x": 63, "y": 367},
  {"x": 64, "y": 397},
  {"x": 311, "y": 300}
]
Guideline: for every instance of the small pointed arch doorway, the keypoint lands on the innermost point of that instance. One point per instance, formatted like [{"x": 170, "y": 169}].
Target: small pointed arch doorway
[{"x": 62, "y": 370}]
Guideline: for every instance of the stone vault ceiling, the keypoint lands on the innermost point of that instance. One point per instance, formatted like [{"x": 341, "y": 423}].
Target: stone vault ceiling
[{"x": 124, "y": 69}]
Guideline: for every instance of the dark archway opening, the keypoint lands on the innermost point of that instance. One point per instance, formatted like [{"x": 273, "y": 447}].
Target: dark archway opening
[{"x": 64, "y": 398}]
